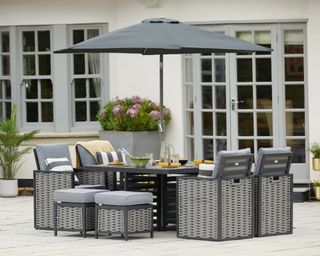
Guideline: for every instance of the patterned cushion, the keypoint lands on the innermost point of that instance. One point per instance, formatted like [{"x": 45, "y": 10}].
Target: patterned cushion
[
  {"x": 60, "y": 165},
  {"x": 109, "y": 157}
]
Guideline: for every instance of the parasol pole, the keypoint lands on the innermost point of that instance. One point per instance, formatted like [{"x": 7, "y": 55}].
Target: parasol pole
[{"x": 161, "y": 124}]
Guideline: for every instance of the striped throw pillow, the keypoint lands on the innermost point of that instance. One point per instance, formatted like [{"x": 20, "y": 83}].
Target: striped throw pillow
[
  {"x": 60, "y": 165},
  {"x": 109, "y": 157}
]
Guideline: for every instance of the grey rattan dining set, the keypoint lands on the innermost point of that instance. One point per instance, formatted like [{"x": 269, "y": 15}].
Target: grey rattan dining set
[{"x": 230, "y": 200}]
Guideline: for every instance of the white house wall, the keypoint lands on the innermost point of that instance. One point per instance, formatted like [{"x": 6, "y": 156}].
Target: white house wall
[{"x": 138, "y": 75}]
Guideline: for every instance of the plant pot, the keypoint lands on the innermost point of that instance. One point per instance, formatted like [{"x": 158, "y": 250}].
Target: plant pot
[
  {"x": 317, "y": 192},
  {"x": 8, "y": 188},
  {"x": 136, "y": 143},
  {"x": 316, "y": 164}
]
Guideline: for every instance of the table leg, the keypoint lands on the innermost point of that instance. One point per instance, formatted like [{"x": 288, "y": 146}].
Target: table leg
[{"x": 163, "y": 195}]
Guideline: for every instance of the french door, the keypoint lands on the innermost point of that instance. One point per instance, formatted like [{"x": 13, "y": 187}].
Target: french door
[{"x": 235, "y": 101}]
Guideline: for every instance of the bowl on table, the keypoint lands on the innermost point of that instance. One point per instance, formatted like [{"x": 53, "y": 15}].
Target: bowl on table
[
  {"x": 183, "y": 161},
  {"x": 140, "y": 161}
]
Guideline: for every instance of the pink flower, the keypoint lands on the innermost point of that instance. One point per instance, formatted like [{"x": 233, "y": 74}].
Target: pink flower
[
  {"x": 166, "y": 111},
  {"x": 103, "y": 113},
  {"x": 116, "y": 100},
  {"x": 153, "y": 105},
  {"x": 116, "y": 110},
  {"x": 132, "y": 112},
  {"x": 155, "y": 115},
  {"x": 136, "y": 106},
  {"x": 136, "y": 99}
]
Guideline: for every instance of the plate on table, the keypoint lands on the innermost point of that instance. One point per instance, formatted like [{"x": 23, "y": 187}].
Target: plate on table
[
  {"x": 197, "y": 162},
  {"x": 169, "y": 165},
  {"x": 116, "y": 163}
]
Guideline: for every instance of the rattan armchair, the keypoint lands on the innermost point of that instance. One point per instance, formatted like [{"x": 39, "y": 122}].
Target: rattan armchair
[
  {"x": 273, "y": 192},
  {"x": 220, "y": 207},
  {"x": 46, "y": 182}
]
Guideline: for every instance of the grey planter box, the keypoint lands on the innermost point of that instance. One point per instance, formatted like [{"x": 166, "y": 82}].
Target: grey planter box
[{"x": 137, "y": 143}]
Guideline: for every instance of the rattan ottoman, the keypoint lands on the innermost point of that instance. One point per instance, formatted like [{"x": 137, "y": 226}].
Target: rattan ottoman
[
  {"x": 74, "y": 210},
  {"x": 124, "y": 212}
]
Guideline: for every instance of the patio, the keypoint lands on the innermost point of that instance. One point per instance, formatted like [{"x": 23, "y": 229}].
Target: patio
[{"x": 18, "y": 237}]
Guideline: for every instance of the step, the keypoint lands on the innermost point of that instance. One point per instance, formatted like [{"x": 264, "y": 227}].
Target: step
[{"x": 301, "y": 195}]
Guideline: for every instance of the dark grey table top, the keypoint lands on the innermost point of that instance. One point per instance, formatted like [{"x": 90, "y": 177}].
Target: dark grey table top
[{"x": 185, "y": 169}]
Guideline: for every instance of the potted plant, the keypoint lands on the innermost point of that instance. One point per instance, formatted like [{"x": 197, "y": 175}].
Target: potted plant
[
  {"x": 316, "y": 189},
  {"x": 132, "y": 123},
  {"x": 315, "y": 150},
  {"x": 11, "y": 154}
]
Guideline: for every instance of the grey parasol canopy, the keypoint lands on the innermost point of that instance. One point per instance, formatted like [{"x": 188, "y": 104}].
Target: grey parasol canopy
[{"x": 163, "y": 36}]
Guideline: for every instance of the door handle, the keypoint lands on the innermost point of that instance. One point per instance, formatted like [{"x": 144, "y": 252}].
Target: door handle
[{"x": 234, "y": 103}]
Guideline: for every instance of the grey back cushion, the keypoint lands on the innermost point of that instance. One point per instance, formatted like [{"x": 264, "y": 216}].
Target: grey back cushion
[
  {"x": 223, "y": 153},
  {"x": 85, "y": 157},
  {"x": 263, "y": 151},
  {"x": 45, "y": 151}
]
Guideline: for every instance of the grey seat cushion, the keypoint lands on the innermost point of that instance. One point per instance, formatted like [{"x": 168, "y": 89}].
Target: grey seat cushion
[
  {"x": 124, "y": 198},
  {"x": 45, "y": 151},
  {"x": 263, "y": 151},
  {"x": 85, "y": 157},
  {"x": 223, "y": 153},
  {"x": 76, "y": 195}
]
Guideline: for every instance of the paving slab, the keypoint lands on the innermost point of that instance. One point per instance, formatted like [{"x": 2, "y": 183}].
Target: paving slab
[{"x": 18, "y": 237}]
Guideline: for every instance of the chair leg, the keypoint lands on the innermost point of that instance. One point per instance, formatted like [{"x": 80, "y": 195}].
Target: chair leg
[
  {"x": 84, "y": 221},
  {"x": 55, "y": 219},
  {"x": 126, "y": 223}
]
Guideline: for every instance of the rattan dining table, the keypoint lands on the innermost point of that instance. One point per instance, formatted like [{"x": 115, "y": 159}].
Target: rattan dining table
[{"x": 156, "y": 179}]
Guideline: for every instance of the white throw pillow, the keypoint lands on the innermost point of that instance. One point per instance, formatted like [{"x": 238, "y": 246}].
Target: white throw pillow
[{"x": 60, "y": 165}]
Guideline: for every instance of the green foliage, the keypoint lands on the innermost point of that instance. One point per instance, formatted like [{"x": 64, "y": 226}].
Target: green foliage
[
  {"x": 316, "y": 183},
  {"x": 131, "y": 114},
  {"x": 10, "y": 140},
  {"x": 315, "y": 150}
]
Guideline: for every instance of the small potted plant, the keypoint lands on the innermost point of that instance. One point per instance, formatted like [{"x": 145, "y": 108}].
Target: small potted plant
[
  {"x": 315, "y": 150},
  {"x": 316, "y": 189},
  {"x": 11, "y": 154}
]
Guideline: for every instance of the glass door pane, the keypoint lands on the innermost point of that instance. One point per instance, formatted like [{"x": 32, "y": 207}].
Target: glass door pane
[
  {"x": 252, "y": 93},
  {"x": 294, "y": 86}
]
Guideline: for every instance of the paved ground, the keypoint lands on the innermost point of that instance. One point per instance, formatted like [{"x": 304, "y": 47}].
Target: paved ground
[{"x": 18, "y": 237}]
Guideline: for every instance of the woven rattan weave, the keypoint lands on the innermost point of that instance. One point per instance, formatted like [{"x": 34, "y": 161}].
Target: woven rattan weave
[
  {"x": 124, "y": 220},
  {"x": 274, "y": 205},
  {"x": 45, "y": 183},
  {"x": 74, "y": 217},
  {"x": 213, "y": 209}
]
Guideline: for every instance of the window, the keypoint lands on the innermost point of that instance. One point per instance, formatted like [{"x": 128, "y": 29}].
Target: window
[
  {"x": 86, "y": 77},
  {"x": 5, "y": 75},
  {"x": 37, "y": 86}
]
